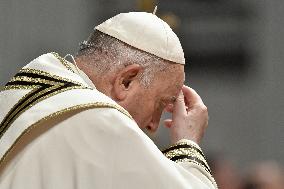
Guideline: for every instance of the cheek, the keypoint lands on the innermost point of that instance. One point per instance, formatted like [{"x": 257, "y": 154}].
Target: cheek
[
  {"x": 149, "y": 111},
  {"x": 154, "y": 110},
  {"x": 142, "y": 110}
]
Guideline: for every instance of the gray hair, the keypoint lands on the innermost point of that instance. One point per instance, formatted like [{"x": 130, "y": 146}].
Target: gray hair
[{"x": 107, "y": 53}]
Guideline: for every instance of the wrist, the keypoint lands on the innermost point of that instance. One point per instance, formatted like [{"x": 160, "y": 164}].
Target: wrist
[
  {"x": 188, "y": 141},
  {"x": 175, "y": 140}
]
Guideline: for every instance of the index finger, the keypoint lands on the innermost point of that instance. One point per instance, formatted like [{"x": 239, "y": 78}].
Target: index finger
[
  {"x": 179, "y": 105},
  {"x": 190, "y": 96}
]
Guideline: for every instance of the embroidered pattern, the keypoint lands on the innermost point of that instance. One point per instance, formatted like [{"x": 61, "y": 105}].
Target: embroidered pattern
[
  {"x": 42, "y": 85},
  {"x": 62, "y": 61},
  {"x": 60, "y": 112},
  {"x": 187, "y": 152}
]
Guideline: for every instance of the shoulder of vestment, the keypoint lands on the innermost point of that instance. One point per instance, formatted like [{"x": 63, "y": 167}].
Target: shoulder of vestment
[{"x": 44, "y": 89}]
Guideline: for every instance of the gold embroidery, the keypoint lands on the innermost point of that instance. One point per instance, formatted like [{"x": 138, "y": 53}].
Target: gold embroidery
[
  {"x": 42, "y": 88},
  {"x": 13, "y": 87},
  {"x": 77, "y": 107},
  {"x": 33, "y": 71},
  {"x": 16, "y": 111},
  {"x": 189, "y": 143},
  {"x": 39, "y": 72},
  {"x": 179, "y": 143},
  {"x": 47, "y": 86},
  {"x": 63, "y": 61},
  {"x": 185, "y": 151},
  {"x": 35, "y": 80}
]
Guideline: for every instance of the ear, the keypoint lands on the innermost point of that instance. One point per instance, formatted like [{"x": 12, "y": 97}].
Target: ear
[{"x": 126, "y": 80}]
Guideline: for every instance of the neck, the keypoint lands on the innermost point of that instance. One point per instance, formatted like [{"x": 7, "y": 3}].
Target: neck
[{"x": 101, "y": 81}]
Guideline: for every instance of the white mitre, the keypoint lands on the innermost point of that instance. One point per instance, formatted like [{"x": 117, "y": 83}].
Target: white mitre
[{"x": 147, "y": 32}]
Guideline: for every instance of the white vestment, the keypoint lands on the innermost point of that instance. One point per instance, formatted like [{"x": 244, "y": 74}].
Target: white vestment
[{"x": 58, "y": 131}]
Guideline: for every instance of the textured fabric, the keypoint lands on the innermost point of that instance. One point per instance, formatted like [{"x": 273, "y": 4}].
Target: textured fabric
[
  {"x": 146, "y": 32},
  {"x": 97, "y": 147},
  {"x": 40, "y": 90}
]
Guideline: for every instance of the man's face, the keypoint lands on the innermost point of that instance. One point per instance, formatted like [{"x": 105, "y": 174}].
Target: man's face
[{"x": 147, "y": 104}]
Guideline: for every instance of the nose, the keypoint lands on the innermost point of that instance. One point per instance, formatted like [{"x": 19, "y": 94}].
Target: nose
[{"x": 154, "y": 124}]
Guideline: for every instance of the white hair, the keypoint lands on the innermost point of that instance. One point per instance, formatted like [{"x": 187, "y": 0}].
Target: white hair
[{"x": 107, "y": 53}]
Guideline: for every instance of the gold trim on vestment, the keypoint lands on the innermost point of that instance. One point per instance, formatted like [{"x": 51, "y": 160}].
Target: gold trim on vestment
[
  {"x": 62, "y": 61},
  {"x": 42, "y": 88},
  {"x": 187, "y": 142},
  {"x": 40, "y": 72},
  {"x": 188, "y": 152},
  {"x": 60, "y": 112},
  {"x": 35, "y": 80},
  {"x": 185, "y": 151},
  {"x": 14, "y": 87},
  {"x": 43, "y": 85},
  {"x": 28, "y": 70},
  {"x": 9, "y": 114}
]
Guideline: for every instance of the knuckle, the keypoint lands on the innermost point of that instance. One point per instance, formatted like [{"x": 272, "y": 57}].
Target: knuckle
[{"x": 203, "y": 108}]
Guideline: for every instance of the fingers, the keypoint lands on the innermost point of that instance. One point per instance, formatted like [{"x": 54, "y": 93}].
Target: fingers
[
  {"x": 179, "y": 106},
  {"x": 189, "y": 117},
  {"x": 191, "y": 97},
  {"x": 186, "y": 99},
  {"x": 168, "y": 123}
]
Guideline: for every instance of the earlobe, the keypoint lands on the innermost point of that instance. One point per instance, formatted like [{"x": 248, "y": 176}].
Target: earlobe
[{"x": 126, "y": 80}]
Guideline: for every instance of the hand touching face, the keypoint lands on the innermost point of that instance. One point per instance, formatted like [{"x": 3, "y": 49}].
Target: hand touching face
[{"x": 189, "y": 116}]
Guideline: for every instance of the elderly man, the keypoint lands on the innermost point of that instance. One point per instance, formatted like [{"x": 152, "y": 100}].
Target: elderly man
[{"x": 80, "y": 126}]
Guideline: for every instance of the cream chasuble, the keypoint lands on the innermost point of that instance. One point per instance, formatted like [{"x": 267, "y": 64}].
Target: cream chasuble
[{"x": 58, "y": 131}]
